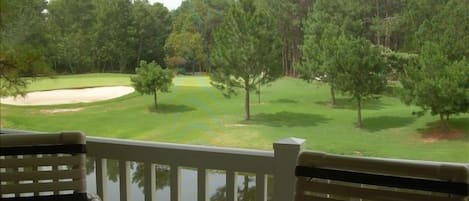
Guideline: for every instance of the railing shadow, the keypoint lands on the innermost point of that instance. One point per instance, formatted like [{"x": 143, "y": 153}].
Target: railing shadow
[{"x": 288, "y": 119}]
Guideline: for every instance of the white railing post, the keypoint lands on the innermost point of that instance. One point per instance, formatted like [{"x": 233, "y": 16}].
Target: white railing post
[{"x": 285, "y": 157}]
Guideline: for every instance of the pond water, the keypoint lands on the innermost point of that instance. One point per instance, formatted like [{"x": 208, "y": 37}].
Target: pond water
[{"x": 216, "y": 183}]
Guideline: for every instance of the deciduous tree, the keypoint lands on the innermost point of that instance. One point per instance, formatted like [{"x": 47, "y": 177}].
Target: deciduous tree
[
  {"x": 152, "y": 26},
  {"x": 151, "y": 78},
  {"x": 71, "y": 25}
]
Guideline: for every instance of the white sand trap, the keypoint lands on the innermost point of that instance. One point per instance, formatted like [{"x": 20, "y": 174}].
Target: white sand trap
[{"x": 68, "y": 96}]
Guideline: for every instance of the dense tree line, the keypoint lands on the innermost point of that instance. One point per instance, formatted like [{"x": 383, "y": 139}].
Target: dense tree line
[
  {"x": 22, "y": 44},
  {"x": 113, "y": 36},
  {"x": 421, "y": 43},
  {"x": 355, "y": 46},
  {"x": 105, "y": 36}
]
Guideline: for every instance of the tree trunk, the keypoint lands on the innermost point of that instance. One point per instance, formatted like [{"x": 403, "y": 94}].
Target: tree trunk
[
  {"x": 378, "y": 41},
  {"x": 156, "y": 101},
  {"x": 70, "y": 66},
  {"x": 333, "y": 101},
  {"x": 444, "y": 122},
  {"x": 193, "y": 67},
  {"x": 139, "y": 51},
  {"x": 246, "y": 186},
  {"x": 359, "y": 110},
  {"x": 387, "y": 39},
  {"x": 247, "y": 103},
  {"x": 259, "y": 94}
]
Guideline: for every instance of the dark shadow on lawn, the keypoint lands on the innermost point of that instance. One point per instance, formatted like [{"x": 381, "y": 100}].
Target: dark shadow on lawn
[
  {"x": 284, "y": 100},
  {"x": 170, "y": 108},
  {"x": 289, "y": 119},
  {"x": 374, "y": 124},
  {"x": 348, "y": 103},
  {"x": 458, "y": 131}
]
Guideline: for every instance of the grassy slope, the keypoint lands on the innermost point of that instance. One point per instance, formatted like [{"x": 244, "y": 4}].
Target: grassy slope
[
  {"x": 79, "y": 81},
  {"x": 289, "y": 108}
]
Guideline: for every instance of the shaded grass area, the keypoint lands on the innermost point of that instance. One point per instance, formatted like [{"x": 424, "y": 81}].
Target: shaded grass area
[
  {"x": 169, "y": 108},
  {"x": 197, "y": 114},
  {"x": 287, "y": 119},
  {"x": 375, "y": 124}
]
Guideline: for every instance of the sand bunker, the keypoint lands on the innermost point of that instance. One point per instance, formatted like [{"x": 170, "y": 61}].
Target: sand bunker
[{"x": 68, "y": 96}]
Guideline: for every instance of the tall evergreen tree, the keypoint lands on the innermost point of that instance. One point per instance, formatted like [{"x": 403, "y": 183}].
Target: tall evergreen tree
[
  {"x": 360, "y": 70},
  {"x": 449, "y": 29},
  {"x": 436, "y": 84},
  {"x": 23, "y": 44},
  {"x": 326, "y": 22},
  {"x": 246, "y": 51}
]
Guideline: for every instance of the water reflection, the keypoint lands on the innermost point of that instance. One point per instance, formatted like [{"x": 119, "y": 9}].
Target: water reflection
[
  {"x": 216, "y": 183},
  {"x": 246, "y": 189}
]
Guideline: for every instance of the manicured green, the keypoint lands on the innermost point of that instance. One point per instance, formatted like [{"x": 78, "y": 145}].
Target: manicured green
[
  {"x": 198, "y": 114},
  {"x": 78, "y": 81}
]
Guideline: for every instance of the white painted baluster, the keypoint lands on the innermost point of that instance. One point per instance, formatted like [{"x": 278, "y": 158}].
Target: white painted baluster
[
  {"x": 101, "y": 178},
  {"x": 149, "y": 180},
  {"x": 231, "y": 186},
  {"x": 124, "y": 180},
  {"x": 174, "y": 183},
  {"x": 261, "y": 187},
  {"x": 201, "y": 184}
]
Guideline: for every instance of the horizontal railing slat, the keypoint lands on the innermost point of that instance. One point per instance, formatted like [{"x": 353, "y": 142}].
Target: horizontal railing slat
[
  {"x": 41, "y": 175},
  {"x": 42, "y": 187},
  {"x": 370, "y": 194},
  {"x": 184, "y": 155},
  {"x": 42, "y": 161},
  {"x": 384, "y": 180}
]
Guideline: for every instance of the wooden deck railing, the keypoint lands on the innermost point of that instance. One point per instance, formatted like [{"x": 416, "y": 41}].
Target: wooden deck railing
[{"x": 280, "y": 163}]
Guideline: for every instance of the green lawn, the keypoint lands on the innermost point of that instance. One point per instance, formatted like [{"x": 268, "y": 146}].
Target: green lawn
[
  {"x": 79, "y": 81},
  {"x": 195, "y": 113}
]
